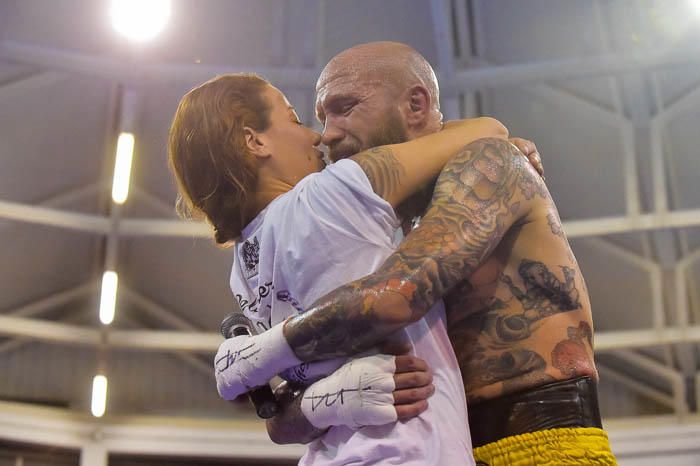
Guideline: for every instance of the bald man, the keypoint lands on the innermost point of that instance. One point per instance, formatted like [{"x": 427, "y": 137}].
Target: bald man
[{"x": 491, "y": 244}]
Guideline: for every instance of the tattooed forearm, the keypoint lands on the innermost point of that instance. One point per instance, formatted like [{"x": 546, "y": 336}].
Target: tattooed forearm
[
  {"x": 290, "y": 424},
  {"x": 479, "y": 195},
  {"x": 383, "y": 170}
]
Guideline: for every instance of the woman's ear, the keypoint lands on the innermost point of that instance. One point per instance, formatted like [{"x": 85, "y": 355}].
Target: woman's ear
[{"x": 257, "y": 143}]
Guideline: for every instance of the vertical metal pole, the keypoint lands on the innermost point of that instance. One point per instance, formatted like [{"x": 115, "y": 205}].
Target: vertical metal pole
[
  {"x": 442, "y": 32},
  {"x": 93, "y": 454}
]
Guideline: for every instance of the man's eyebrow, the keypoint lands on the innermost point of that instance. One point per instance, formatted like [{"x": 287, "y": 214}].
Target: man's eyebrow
[{"x": 333, "y": 101}]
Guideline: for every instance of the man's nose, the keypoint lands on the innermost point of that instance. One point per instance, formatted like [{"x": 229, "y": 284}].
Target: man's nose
[{"x": 332, "y": 133}]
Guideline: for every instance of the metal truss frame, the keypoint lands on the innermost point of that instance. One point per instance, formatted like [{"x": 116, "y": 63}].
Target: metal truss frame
[{"x": 463, "y": 73}]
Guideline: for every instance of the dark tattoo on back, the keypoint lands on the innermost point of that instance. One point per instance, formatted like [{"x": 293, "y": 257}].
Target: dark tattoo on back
[
  {"x": 383, "y": 170},
  {"x": 488, "y": 339},
  {"x": 544, "y": 292},
  {"x": 538, "y": 301},
  {"x": 510, "y": 364}
]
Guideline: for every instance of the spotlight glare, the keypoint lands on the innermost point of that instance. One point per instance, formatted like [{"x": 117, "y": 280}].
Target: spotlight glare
[
  {"x": 140, "y": 20},
  {"x": 122, "y": 167},
  {"x": 695, "y": 5},
  {"x": 108, "y": 297},
  {"x": 99, "y": 395}
]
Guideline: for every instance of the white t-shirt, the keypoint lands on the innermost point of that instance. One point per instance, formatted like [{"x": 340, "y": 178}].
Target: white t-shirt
[{"x": 329, "y": 230}]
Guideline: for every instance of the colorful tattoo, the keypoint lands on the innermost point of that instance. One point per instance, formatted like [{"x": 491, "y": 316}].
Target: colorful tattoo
[
  {"x": 480, "y": 194},
  {"x": 570, "y": 354}
]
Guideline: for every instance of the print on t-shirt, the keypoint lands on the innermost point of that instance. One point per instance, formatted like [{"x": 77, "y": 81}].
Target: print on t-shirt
[
  {"x": 251, "y": 256},
  {"x": 286, "y": 296}
]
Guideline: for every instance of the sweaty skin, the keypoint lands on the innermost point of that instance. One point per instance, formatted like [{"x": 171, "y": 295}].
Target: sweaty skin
[
  {"x": 522, "y": 319},
  {"x": 491, "y": 244}
]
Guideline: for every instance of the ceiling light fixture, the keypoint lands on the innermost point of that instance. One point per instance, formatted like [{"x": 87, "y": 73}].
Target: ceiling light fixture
[{"x": 140, "y": 20}]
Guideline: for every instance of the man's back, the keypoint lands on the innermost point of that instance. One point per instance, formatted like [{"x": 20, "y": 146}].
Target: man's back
[{"x": 523, "y": 318}]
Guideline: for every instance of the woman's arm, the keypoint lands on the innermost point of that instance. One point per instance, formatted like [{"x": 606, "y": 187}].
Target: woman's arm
[{"x": 398, "y": 170}]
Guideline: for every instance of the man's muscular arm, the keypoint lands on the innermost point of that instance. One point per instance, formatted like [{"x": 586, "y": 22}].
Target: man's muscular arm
[
  {"x": 482, "y": 191},
  {"x": 480, "y": 194}
]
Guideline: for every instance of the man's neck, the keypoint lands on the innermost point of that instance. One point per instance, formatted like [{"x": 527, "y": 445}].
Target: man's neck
[
  {"x": 417, "y": 203},
  {"x": 415, "y": 206}
]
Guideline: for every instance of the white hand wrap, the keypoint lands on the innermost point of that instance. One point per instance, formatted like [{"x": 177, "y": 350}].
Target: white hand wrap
[
  {"x": 246, "y": 362},
  {"x": 358, "y": 394},
  {"x": 307, "y": 373}
]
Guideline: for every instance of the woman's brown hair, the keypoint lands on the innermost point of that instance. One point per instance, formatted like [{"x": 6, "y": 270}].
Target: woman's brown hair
[{"x": 207, "y": 152}]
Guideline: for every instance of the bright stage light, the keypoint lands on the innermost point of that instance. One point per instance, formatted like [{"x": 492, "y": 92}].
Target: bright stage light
[
  {"x": 108, "y": 298},
  {"x": 122, "y": 167},
  {"x": 99, "y": 395},
  {"x": 695, "y": 4},
  {"x": 140, "y": 20}
]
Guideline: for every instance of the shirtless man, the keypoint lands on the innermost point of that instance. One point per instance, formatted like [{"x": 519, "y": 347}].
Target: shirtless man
[{"x": 491, "y": 244}]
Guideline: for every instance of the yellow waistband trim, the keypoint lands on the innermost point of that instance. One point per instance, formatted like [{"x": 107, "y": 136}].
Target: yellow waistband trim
[{"x": 552, "y": 447}]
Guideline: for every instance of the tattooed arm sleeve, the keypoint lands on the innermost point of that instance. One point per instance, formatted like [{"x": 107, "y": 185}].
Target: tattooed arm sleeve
[
  {"x": 290, "y": 425},
  {"x": 396, "y": 171},
  {"x": 479, "y": 195}
]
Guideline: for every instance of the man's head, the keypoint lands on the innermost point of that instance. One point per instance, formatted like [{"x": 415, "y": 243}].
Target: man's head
[{"x": 374, "y": 94}]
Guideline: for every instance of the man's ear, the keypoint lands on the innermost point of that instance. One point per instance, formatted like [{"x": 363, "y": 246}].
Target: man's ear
[
  {"x": 258, "y": 144},
  {"x": 418, "y": 106}
]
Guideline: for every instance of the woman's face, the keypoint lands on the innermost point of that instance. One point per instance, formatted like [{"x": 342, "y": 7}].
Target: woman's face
[{"x": 293, "y": 145}]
